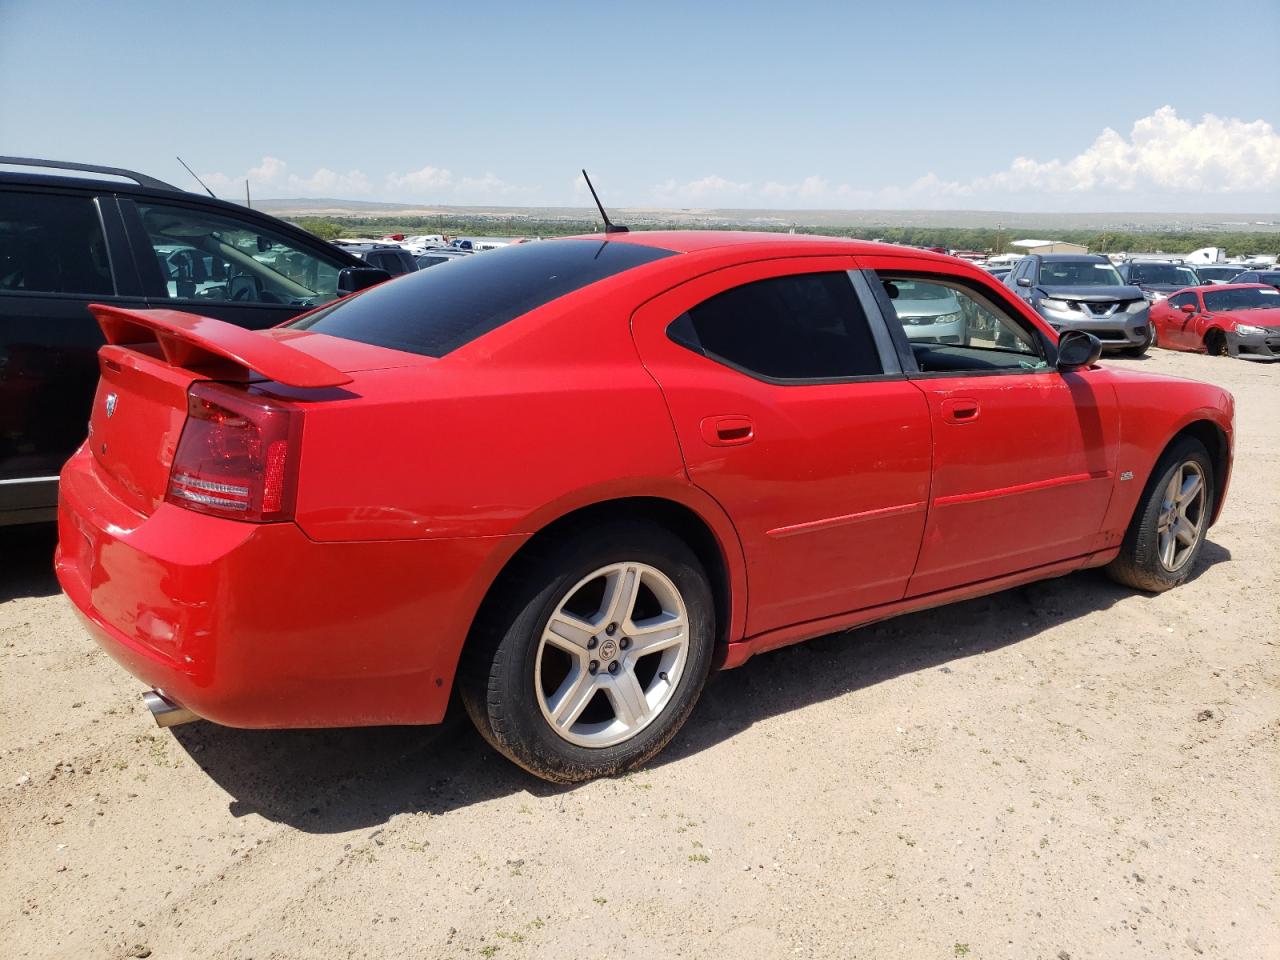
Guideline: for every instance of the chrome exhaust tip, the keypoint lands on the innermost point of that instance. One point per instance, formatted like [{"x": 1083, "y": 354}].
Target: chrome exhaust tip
[{"x": 165, "y": 712}]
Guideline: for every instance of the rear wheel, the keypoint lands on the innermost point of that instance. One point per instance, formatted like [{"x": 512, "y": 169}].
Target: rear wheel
[
  {"x": 1167, "y": 532},
  {"x": 594, "y": 656}
]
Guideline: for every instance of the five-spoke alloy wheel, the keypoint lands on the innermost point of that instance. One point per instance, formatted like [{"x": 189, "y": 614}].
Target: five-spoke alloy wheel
[
  {"x": 592, "y": 652},
  {"x": 1166, "y": 533},
  {"x": 612, "y": 654}
]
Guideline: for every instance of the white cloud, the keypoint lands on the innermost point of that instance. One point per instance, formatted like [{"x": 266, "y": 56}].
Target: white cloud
[
  {"x": 709, "y": 191},
  {"x": 426, "y": 180},
  {"x": 1162, "y": 153},
  {"x": 271, "y": 177},
  {"x": 1162, "y": 158}
]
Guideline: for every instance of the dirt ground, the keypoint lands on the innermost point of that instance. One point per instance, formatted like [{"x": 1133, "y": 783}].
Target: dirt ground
[{"x": 1066, "y": 770}]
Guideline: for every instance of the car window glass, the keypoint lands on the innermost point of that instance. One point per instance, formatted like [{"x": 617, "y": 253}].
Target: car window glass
[
  {"x": 207, "y": 256},
  {"x": 1182, "y": 299},
  {"x": 433, "y": 312},
  {"x": 804, "y": 327},
  {"x": 1078, "y": 273},
  {"x": 953, "y": 328},
  {"x": 1243, "y": 298},
  {"x": 52, "y": 244}
]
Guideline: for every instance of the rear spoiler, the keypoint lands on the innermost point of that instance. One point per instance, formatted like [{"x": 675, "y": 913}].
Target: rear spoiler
[{"x": 190, "y": 340}]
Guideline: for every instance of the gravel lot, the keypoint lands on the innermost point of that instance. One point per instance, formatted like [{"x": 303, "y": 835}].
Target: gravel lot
[{"x": 1064, "y": 770}]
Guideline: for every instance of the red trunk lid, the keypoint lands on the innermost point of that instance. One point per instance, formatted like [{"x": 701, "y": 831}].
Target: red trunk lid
[{"x": 153, "y": 356}]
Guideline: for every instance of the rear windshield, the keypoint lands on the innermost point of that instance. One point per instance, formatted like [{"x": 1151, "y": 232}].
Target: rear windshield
[{"x": 435, "y": 311}]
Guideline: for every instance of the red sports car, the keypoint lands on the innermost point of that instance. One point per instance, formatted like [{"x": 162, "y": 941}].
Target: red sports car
[
  {"x": 571, "y": 477},
  {"x": 1229, "y": 319}
]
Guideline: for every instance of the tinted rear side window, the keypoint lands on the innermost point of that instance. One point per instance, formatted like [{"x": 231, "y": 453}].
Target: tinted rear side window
[
  {"x": 52, "y": 244},
  {"x": 805, "y": 327},
  {"x": 435, "y": 311}
]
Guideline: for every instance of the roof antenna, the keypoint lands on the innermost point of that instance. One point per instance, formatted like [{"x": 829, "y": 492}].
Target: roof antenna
[
  {"x": 609, "y": 225},
  {"x": 198, "y": 180}
]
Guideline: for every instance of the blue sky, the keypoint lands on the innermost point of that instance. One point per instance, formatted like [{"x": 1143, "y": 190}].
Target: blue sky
[{"x": 943, "y": 105}]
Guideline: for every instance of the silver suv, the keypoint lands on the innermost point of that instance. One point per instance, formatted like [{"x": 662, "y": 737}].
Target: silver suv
[{"x": 1084, "y": 292}]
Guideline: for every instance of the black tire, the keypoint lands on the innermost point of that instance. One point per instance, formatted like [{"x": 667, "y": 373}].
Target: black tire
[
  {"x": 1215, "y": 343},
  {"x": 496, "y": 677},
  {"x": 1139, "y": 351},
  {"x": 1138, "y": 564}
]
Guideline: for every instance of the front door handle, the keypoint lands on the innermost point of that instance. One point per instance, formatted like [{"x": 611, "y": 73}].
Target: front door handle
[
  {"x": 960, "y": 410},
  {"x": 728, "y": 431}
]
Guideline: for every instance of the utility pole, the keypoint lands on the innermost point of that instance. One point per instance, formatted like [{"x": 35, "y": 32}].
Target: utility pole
[{"x": 246, "y": 194}]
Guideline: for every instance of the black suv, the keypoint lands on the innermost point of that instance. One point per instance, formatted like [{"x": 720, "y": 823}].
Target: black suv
[
  {"x": 390, "y": 257},
  {"x": 102, "y": 234},
  {"x": 1158, "y": 278}
]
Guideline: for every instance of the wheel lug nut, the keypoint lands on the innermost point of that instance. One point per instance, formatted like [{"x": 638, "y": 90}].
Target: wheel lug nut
[
  {"x": 592, "y": 667},
  {"x": 591, "y": 644},
  {"x": 611, "y": 629},
  {"x": 624, "y": 643},
  {"x": 613, "y": 667},
  {"x": 662, "y": 675}
]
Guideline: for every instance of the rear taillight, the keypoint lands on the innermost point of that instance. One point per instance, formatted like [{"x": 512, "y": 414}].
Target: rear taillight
[{"x": 238, "y": 456}]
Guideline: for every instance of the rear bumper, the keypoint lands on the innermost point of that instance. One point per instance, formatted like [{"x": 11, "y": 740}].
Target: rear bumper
[{"x": 256, "y": 625}]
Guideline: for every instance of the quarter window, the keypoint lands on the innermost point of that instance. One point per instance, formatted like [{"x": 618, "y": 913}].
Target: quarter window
[
  {"x": 205, "y": 256},
  {"x": 951, "y": 327},
  {"x": 52, "y": 244},
  {"x": 804, "y": 327}
]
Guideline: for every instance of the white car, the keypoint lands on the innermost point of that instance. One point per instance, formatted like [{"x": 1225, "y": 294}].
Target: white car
[{"x": 421, "y": 243}]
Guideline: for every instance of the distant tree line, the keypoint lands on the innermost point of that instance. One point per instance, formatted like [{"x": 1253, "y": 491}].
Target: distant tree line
[{"x": 953, "y": 238}]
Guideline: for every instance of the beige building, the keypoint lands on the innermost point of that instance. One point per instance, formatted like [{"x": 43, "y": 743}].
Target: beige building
[{"x": 1048, "y": 246}]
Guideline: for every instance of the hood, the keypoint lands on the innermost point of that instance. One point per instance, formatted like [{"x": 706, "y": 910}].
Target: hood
[
  {"x": 1091, "y": 294},
  {"x": 1163, "y": 287},
  {"x": 1258, "y": 317}
]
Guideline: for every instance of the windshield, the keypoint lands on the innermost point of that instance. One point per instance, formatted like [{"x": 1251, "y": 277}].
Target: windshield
[
  {"x": 1242, "y": 298},
  {"x": 1163, "y": 273},
  {"x": 1079, "y": 273},
  {"x": 1217, "y": 273},
  {"x": 911, "y": 290}
]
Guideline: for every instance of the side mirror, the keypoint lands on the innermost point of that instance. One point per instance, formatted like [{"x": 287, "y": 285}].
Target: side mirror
[
  {"x": 1024, "y": 281},
  {"x": 354, "y": 279},
  {"x": 1077, "y": 349},
  {"x": 1188, "y": 308}
]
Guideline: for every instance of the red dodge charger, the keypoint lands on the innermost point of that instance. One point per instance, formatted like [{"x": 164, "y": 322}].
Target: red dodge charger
[{"x": 571, "y": 477}]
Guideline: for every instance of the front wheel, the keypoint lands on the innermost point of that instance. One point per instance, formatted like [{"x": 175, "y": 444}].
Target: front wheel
[
  {"x": 594, "y": 655},
  {"x": 1168, "y": 529}
]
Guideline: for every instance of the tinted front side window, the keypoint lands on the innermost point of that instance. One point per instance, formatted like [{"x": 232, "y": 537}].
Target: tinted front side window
[
  {"x": 52, "y": 244},
  {"x": 1182, "y": 300},
  {"x": 804, "y": 327},
  {"x": 435, "y": 311}
]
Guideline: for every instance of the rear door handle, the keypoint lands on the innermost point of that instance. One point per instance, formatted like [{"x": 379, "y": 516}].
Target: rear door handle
[
  {"x": 960, "y": 410},
  {"x": 727, "y": 431}
]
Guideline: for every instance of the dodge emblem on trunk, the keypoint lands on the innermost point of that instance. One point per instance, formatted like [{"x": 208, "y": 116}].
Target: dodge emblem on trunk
[{"x": 111, "y": 405}]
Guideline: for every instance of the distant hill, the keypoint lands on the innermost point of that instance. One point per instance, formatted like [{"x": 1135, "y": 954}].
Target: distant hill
[{"x": 691, "y": 217}]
